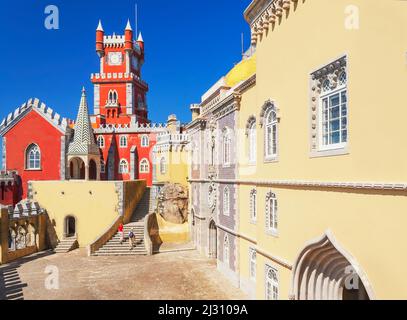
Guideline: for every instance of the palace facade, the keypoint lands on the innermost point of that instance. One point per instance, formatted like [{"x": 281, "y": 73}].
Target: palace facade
[{"x": 298, "y": 183}]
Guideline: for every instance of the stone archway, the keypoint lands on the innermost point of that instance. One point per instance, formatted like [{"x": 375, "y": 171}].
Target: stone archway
[
  {"x": 213, "y": 240},
  {"x": 77, "y": 169},
  {"x": 324, "y": 271}
]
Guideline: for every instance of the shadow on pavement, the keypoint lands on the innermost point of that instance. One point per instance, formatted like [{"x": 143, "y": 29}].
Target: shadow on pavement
[{"x": 11, "y": 286}]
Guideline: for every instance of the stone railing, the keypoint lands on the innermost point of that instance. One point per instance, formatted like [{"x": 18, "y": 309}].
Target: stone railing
[
  {"x": 172, "y": 138},
  {"x": 131, "y": 194},
  {"x": 118, "y": 76},
  {"x": 22, "y": 230}
]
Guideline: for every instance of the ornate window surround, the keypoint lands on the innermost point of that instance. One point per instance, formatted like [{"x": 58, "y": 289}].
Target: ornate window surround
[
  {"x": 252, "y": 263},
  {"x": 253, "y": 206},
  {"x": 226, "y": 201},
  {"x": 226, "y": 251},
  {"x": 226, "y": 148},
  {"x": 272, "y": 279},
  {"x": 329, "y": 72},
  {"x": 271, "y": 214},
  {"x": 251, "y": 133},
  {"x": 269, "y": 106},
  {"x": 144, "y": 166},
  {"x": 163, "y": 165},
  {"x": 145, "y": 141}
]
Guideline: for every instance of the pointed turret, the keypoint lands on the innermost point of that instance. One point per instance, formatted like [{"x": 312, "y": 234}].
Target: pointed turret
[
  {"x": 128, "y": 37},
  {"x": 100, "y": 33},
  {"x": 83, "y": 153},
  {"x": 84, "y": 140},
  {"x": 140, "y": 41}
]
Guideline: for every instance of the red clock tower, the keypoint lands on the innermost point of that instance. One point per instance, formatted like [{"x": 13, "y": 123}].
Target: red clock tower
[{"x": 119, "y": 92}]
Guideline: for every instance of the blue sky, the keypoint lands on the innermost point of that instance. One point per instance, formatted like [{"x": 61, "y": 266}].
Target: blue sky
[{"x": 189, "y": 45}]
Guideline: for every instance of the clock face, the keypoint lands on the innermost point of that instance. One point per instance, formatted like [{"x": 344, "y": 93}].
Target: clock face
[{"x": 115, "y": 58}]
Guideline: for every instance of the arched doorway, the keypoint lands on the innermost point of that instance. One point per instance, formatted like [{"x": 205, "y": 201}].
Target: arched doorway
[
  {"x": 70, "y": 227},
  {"x": 92, "y": 170},
  {"x": 77, "y": 169},
  {"x": 323, "y": 271},
  {"x": 213, "y": 240}
]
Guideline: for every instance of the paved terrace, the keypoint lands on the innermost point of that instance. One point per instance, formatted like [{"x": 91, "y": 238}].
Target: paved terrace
[{"x": 179, "y": 275}]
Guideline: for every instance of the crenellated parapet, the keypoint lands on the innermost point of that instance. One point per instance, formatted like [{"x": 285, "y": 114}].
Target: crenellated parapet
[
  {"x": 131, "y": 128},
  {"x": 24, "y": 209},
  {"x": 263, "y": 15},
  {"x": 8, "y": 177},
  {"x": 48, "y": 113},
  {"x": 119, "y": 76}
]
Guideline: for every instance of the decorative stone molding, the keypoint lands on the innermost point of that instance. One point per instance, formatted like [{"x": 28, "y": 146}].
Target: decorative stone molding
[
  {"x": 4, "y": 155},
  {"x": 131, "y": 128},
  {"x": 119, "y": 188},
  {"x": 249, "y": 124},
  {"x": 261, "y": 14},
  {"x": 331, "y": 73},
  {"x": 267, "y": 106},
  {"x": 390, "y": 186}
]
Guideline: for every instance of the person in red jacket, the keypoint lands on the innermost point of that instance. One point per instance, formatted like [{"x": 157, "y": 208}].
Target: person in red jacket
[{"x": 121, "y": 233}]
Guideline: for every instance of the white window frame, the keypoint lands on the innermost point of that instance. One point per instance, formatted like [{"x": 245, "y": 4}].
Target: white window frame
[
  {"x": 272, "y": 288},
  {"x": 145, "y": 141},
  {"x": 252, "y": 139},
  {"x": 327, "y": 95},
  {"x": 163, "y": 165},
  {"x": 253, "y": 206},
  {"x": 144, "y": 163},
  {"x": 123, "y": 166},
  {"x": 272, "y": 213},
  {"x": 252, "y": 264},
  {"x": 226, "y": 148},
  {"x": 101, "y": 142},
  {"x": 33, "y": 150},
  {"x": 226, "y": 201},
  {"x": 125, "y": 139},
  {"x": 272, "y": 136},
  {"x": 226, "y": 251}
]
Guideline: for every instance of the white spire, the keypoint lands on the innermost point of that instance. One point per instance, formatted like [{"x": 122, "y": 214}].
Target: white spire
[
  {"x": 128, "y": 26},
  {"x": 100, "y": 28},
  {"x": 140, "y": 38}
]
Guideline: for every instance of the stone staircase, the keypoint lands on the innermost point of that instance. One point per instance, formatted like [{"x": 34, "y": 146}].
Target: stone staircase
[
  {"x": 66, "y": 245},
  {"x": 114, "y": 248}
]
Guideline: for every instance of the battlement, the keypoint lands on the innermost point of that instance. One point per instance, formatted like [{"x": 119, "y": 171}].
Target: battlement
[
  {"x": 34, "y": 104},
  {"x": 117, "y": 76},
  {"x": 25, "y": 208},
  {"x": 8, "y": 177},
  {"x": 131, "y": 128}
]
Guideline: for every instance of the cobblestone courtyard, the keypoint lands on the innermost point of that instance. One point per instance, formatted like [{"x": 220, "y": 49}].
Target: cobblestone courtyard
[{"x": 181, "y": 275}]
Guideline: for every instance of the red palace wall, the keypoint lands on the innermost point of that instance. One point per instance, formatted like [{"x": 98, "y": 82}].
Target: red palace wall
[
  {"x": 133, "y": 139},
  {"x": 9, "y": 194},
  {"x": 33, "y": 128}
]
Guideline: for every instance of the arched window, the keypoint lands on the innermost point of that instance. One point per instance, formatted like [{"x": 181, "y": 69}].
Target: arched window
[
  {"x": 112, "y": 97},
  {"x": 253, "y": 265},
  {"x": 123, "y": 166},
  {"x": 33, "y": 157},
  {"x": 271, "y": 283},
  {"x": 226, "y": 201},
  {"x": 123, "y": 142},
  {"x": 144, "y": 166},
  {"x": 226, "y": 147},
  {"x": 253, "y": 205},
  {"x": 271, "y": 134},
  {"x": 145, "y": 141},
  {"x": 252, "y": 137},
  {"x": 226, "y": 251},
  {"x": 163, "y": 165},
  {"x": 271, "y": 213},
  {"x": 101, "y": 141}
]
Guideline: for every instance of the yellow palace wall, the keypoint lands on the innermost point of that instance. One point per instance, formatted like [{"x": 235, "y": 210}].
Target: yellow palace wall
[
  {"x": 94, "y": 204},
  {"x": 177, "y": 167},
  {"x": 367, "y": 224}
]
